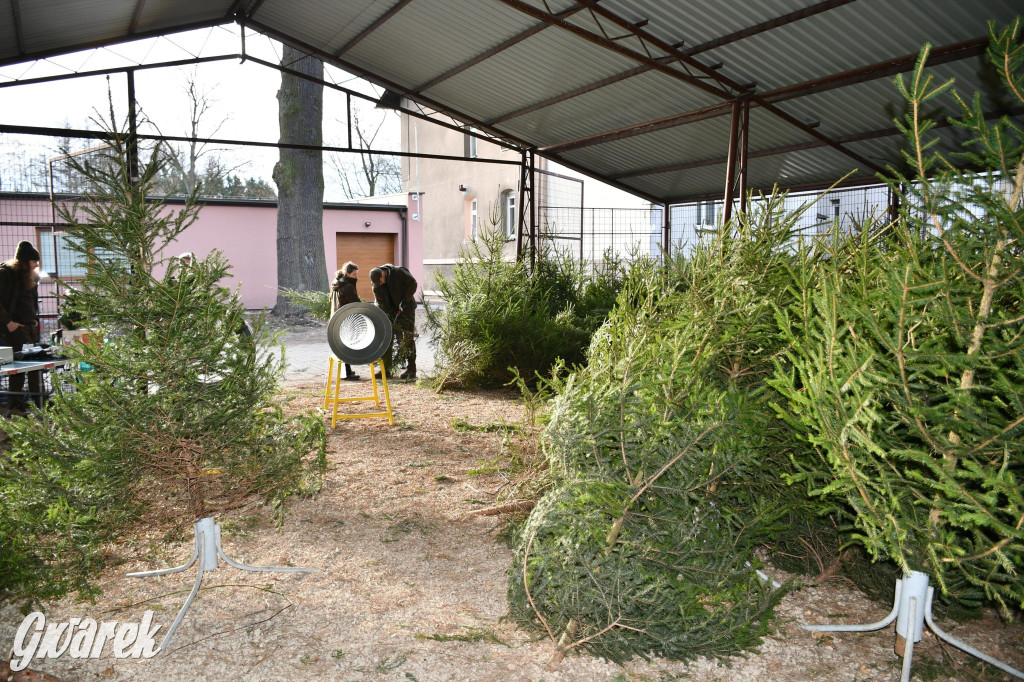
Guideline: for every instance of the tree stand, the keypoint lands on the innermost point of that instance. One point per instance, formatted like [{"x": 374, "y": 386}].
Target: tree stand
[
  {"x": 912, "y": 608},
  {"x": 207, "y": 549}
]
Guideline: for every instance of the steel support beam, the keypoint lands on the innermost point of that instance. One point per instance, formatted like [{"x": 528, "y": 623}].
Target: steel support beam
[
  {"x": 119, "y": 69},
  {"x": 701, "y": 114},
  {"x": 613, "y": 46},
  {"x": 500, "y": 47},
  {"x": 768, "y": 25},
  {"x": 800, "y": 146},
  {"x": 883, "y": 69},
  {"x": 437, "y": 106},
  {"x": 672, "y": 51},
  {"x": 730, "y": 164},
  {"x": 395, "y": 9},
  {"x": 703, "y": 47},
  {"x": 103, "y": 135},
  {"x": 666, "y": 230},
  {"x": 16, "y": 18},
  {"x": 889, "y": 67},
  {"x": 133, "y": 131},
  {"x": 521, "y": 222},
  {"x": 136, "y": 16},
  {"x": 744, "y": 136}
]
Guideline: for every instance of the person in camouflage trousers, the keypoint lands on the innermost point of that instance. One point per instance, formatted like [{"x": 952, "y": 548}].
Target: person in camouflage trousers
[{"x": 394, "y": 289}]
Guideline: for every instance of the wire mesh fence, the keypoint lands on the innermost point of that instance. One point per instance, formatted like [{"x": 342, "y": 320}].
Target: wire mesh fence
[{"x": 627, "y": 233}]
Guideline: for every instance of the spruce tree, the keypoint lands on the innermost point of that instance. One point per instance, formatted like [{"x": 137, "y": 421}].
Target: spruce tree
[
  {"x": 907, "y": 369},
  {"x": 178, "y": 413}
]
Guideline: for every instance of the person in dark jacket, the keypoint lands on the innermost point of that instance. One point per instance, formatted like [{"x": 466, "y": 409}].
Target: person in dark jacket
[
  {"x": 343, "y": 292},
  {"x": 19, "y": 314},
  {"x": 394, "y": 288}
]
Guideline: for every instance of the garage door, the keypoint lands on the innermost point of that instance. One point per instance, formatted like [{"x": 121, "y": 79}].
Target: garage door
[{"x": 367, "y": 251}]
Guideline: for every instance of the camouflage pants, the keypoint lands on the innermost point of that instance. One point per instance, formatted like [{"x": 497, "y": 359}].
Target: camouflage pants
[{"x": 405, "y": 330}]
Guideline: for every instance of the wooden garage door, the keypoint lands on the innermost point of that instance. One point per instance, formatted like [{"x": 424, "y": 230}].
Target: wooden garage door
[{"x": 367, "y": 251}]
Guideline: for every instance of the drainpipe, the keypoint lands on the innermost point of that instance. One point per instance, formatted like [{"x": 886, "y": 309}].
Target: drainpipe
[{"x": 404, "y": 237}]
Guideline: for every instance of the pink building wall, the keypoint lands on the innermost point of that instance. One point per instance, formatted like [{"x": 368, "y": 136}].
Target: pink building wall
[{"x": 246, "y": 232}]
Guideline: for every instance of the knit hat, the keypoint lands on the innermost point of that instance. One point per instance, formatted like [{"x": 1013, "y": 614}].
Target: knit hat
[{"x": 26, "y": 252}]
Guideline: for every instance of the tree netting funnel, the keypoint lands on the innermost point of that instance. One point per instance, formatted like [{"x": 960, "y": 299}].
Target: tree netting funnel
[{"x": 359, "y": 333}]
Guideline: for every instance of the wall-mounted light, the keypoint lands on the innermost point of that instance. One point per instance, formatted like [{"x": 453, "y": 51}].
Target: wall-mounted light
[
  {"x": 367, "y": 223},
  {"x": 462, "y": 188}
]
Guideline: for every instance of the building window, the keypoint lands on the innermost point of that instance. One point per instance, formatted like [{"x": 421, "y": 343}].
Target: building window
[
  {"x": 469, "y": 146},
  {"x": 509, "y": 215},
  {"x": 65, "y": 265},
  {"x": 473, "y": 219}
]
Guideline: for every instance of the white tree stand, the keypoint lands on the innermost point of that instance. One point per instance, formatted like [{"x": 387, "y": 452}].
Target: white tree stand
[
  {"x": 207, "y": 549},
  {"x": 912, "y": 608}
]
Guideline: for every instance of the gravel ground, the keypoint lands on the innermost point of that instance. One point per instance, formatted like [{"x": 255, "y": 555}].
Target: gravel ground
[{"x": 412, "y": 587}]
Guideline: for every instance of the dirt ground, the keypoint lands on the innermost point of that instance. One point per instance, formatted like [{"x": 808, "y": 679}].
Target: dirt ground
[{"x": 410, "y": 586}]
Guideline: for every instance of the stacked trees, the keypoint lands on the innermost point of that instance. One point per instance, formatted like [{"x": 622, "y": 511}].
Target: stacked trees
[{"x": 668, "y": 459}]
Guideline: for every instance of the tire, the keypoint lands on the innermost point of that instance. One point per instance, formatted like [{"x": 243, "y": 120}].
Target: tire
[{"x": 359, "y": 333}]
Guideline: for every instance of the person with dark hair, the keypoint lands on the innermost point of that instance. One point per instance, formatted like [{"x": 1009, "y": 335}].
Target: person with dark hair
[
  {"x": 394, "y": 288},
  {"x": 343, "y": 292},
  {"x": 19, "y": 314}
]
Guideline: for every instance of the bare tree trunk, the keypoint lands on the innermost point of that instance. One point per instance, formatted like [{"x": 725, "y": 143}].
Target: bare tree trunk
[{"x": 299, "y": 176}]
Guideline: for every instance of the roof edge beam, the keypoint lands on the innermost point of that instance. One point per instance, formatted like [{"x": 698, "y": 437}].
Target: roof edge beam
[
  {"x": 377, "y": 23},
  {"x": 104, "y": 42},
  {"x": 500, "y": 47},
  {"x": 104, "y": 135}
]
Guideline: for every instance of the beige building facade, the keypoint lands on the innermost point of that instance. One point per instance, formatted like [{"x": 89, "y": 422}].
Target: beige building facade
[{"x": 455, "y": 200}]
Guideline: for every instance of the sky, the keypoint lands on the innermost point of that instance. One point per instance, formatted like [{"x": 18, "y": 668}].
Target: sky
[{"x": 243, "y": 98}]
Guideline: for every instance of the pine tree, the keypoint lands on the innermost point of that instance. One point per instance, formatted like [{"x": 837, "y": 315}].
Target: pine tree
[{"x": 907, "y": 377}]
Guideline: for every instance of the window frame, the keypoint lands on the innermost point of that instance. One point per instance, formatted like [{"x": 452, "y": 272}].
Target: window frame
[{"x": 509, "y": 213}]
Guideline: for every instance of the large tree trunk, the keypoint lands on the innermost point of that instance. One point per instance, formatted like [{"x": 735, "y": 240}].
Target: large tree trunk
[{"x": 299, "y": 176}]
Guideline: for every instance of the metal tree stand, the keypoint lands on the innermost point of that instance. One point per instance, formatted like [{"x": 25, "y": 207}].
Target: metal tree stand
[
  {"x": 207, "y": 549},
  {"x": 912, "y": 608}
]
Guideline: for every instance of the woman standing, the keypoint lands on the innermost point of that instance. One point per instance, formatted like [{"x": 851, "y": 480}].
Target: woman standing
[
  {"x": 19, "y": 314},
  {"x": 343, "y": 292}
]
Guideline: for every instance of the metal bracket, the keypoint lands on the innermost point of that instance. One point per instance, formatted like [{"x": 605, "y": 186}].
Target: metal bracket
[
  {"x": 912, "y": 608},
  {"x": 208, "y": 548}
]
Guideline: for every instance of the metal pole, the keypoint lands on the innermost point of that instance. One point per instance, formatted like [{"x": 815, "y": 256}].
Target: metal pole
[
  {"x": 745, "y": 127},
  {"x": 581, "y": 223},
  {"x": 533, "y": 209},
  {"x": 730, "y": 164},
  {"x": 666, "y": 237},
  {"x": 519, "y": 226},
  {"x": 133, "y": 140}
]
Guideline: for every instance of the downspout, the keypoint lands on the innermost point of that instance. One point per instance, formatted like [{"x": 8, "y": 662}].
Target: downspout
[{"x": 404, "y": 237}]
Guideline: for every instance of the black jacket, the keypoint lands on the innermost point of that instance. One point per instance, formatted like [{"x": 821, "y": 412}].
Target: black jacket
[
  {"x": 18, "y": 304},
  {"x": 399, "y": 289},
  {"x": 343, "y": 292}
]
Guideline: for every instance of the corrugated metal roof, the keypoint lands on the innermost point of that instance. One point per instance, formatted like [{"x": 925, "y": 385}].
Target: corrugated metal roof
[{"x": 595, "y": 84}]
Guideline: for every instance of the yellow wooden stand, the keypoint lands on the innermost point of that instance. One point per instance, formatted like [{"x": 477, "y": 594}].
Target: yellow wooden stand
[{"x": 334, "y": 369}]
